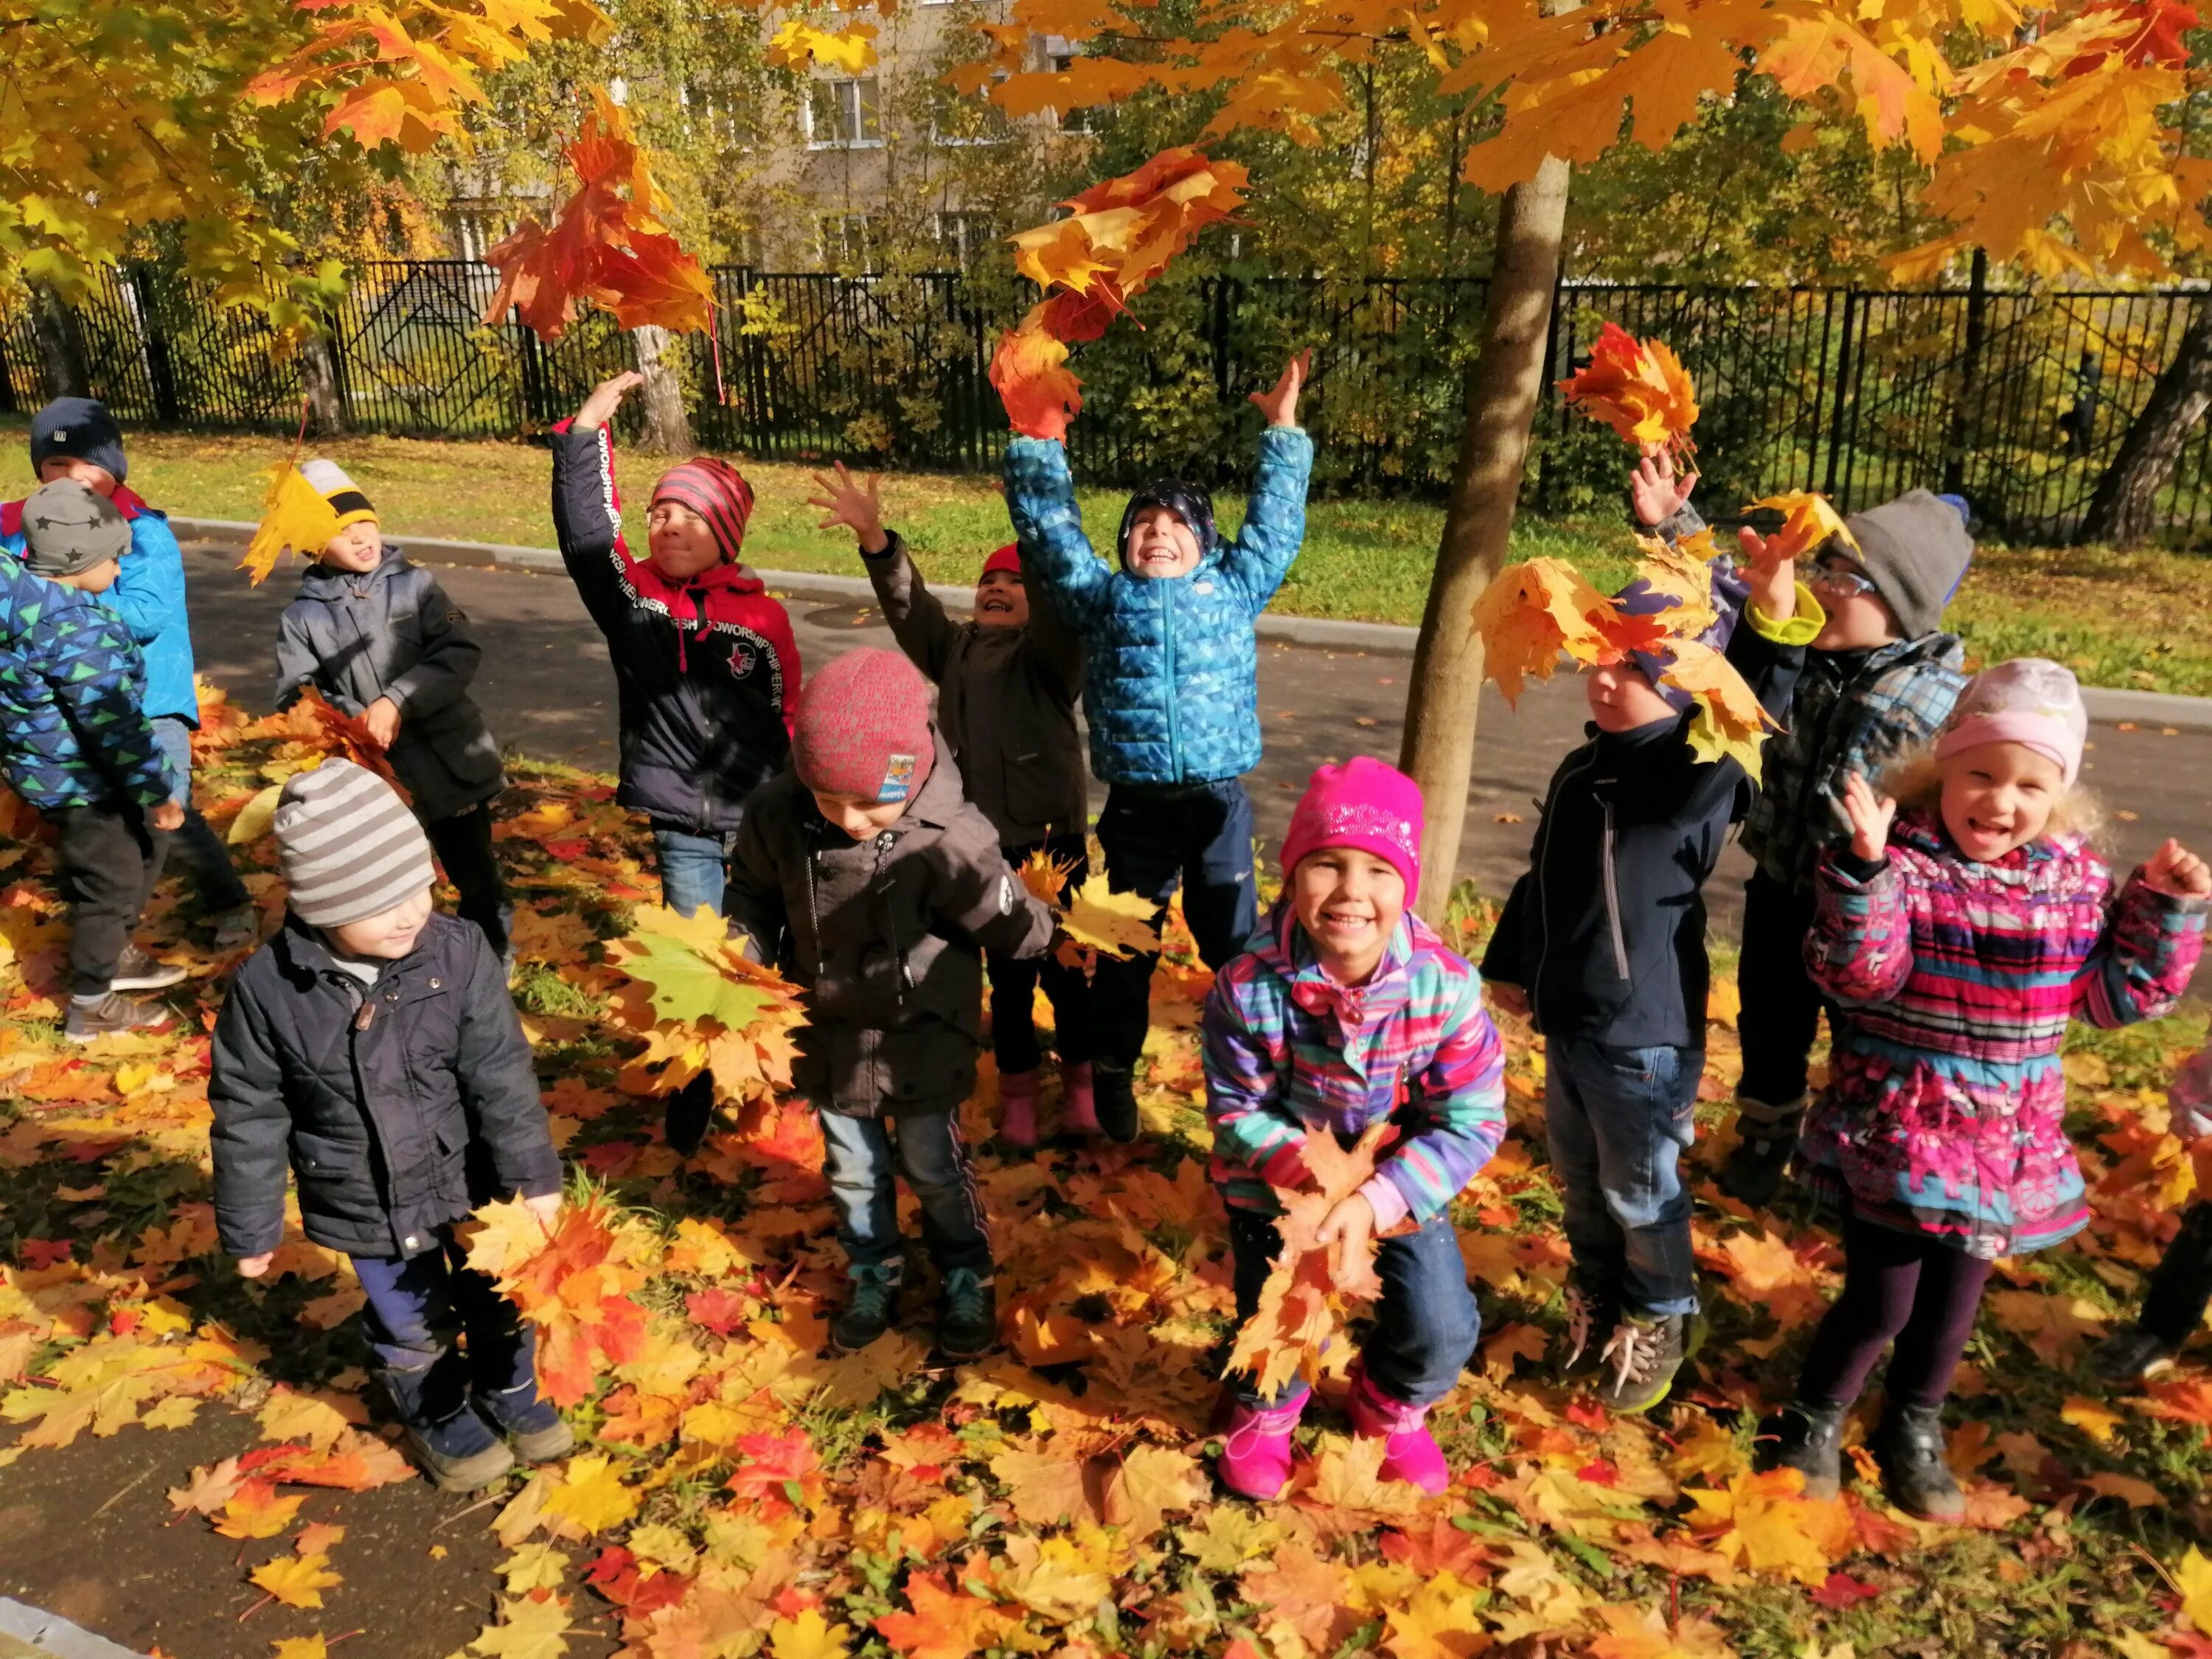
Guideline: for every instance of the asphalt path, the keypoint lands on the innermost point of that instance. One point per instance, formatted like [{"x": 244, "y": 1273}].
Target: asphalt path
[{"x": 547, "y": 690}]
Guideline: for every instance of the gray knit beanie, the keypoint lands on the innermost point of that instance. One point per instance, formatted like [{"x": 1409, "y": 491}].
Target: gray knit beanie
[
  {"x": 68, "y": 528},
  {"x": 1916, "y": 550},
  {"x": 349, "y": 846}
]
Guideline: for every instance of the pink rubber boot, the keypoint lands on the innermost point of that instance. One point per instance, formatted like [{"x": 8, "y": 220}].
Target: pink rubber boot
[
  {"x": 1079, "y": 1113},
  {"x": 1018, "y": 1098},
  {"x": 1410, "y": 1452},
  {"x": 1256, "y": 1452}
]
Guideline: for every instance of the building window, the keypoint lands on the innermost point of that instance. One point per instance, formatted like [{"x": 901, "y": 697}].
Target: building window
[
  {"x": 846, "y": 241},
  {"x": 842, "y": 114},
  {"x": 477, "y": 228},
  {"x": 1074, "y": 120},
  {"x": 962, "y": 236}
]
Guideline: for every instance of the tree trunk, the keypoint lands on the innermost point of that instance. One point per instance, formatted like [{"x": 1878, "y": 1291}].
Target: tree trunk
[
  {"x": 1503, "y": 388},
  {"x": 2124, "y": 510},
  {"x": 319, "y": 383},
  {"x": 61, "y": 344},
  {"x": 667, "y": 426}
]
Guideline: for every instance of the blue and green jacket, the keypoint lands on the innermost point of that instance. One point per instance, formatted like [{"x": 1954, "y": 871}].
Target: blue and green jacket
[
  {"x": 73, "y": 726},
  {"x": 1171, "y": 683}
]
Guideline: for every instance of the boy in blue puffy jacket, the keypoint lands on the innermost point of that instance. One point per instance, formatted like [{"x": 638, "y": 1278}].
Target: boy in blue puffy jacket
[{"x": 1171, "y": 693}]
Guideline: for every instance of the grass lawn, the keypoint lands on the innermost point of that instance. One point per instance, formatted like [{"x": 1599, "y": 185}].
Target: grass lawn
[{"x": 2133, "y": 620}]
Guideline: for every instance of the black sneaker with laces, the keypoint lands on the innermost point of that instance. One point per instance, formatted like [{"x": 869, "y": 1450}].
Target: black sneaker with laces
[
  {"x": 2132, "y": 1354},
  {"x": 1639, "y": 1360},
  {"x": 137, "y": 971},
  {"x": 969, "y": 1327},
  {"x": 1114, "y": 1092},
  {"x": 1806, "y": 1438},
  {"x": 869, "y": 1309},
  {"x": 1910, "y": 1448},
  {"x": 112, "y": 1015}
]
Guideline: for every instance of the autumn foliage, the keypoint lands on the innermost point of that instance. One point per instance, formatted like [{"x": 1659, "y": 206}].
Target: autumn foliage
[{"x": 1639, "y": 388}]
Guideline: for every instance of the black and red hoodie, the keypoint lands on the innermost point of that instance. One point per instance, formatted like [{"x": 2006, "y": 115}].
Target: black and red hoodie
[{"x": 706, "y": 670}]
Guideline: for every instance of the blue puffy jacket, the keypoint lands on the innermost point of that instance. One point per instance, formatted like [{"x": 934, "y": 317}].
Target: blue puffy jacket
[
  {"x": 149, "y": 596},
  {"x": 1171, "y": 688}
]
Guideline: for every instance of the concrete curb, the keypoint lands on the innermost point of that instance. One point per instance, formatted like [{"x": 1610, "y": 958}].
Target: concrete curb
[
  {"x": 52, "y": 1636},
  {"x": 2104, "y": 703}
]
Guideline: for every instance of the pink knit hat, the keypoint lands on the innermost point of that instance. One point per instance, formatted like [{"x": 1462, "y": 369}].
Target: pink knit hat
[
  {"x": 1363, "y": 804},
  {"x": 864, "y": 729},
  {"x": 2029, "y": 701},
  {"x": 718, "y": 493}
]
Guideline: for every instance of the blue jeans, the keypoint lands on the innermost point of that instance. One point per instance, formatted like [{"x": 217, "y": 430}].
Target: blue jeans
[
  {"x": 196, "y": 843},
  {"x": 1619, "y": 1120},
  {"x": 1425, "y": 1325},
  {"x": 417, "y": 1309},
  {"x": 695, "y": 870},
  {"x": 1199, "y": 836},
  {"x": 927, "y": 1149}
]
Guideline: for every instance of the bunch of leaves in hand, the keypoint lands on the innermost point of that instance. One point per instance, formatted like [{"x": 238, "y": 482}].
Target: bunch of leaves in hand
[
  {"x": 1637, "y": 387},
  {"x": 573, "y": 1280},
  {"x": 702, "y": 1006}
]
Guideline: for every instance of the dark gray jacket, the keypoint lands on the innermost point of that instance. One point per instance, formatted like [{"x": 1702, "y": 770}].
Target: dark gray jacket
[
  {"x": 886, "y": 934},
  {"x": 1005, "y": 701},
  {"x": 391, "y": 632},
  {"x": 400, "y": 1106}
]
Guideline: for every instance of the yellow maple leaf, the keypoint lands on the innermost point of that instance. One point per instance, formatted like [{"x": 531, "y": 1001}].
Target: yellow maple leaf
[
  {"x": 1122, "y": 924},
  {"x": 1149, "y": 1481},
  {"x": 1731, "y": 724},
  {"x": 2193, "y": 1576},
  {"x": 297, "y": 1581},
  {"x": 300, "y": 1647},
  {"x": 848, "y": 51},
  {"x": 1530, "y": 613},
  {"x": 1643, "y": 1633},
  {"x": 2096, "y": 1421},
  {"x": 1438, "y": 1620},
  {"x": 1044, "y": 876},
  {"x": 1637, "y": 387},
  {"x": 533, "y": 1567},
  {"x": 1807, "y": 520},
  {"x": 808, "y": 1636},
  {"x": 1765, "y": 1522},
  {"x": 591, "y": 1494},
  {"x": 294, "y": 516},
  {"x": 528, "y": 1629}
]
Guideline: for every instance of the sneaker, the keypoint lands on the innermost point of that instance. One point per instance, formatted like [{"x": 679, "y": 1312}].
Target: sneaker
[
  {"x": 1255, "y": 1450},
  {"x": 968, "y": 1328},
  {"x": 1114, "y": 1095},
  {"x": 1018, "y": 1100},
  {"x": 534, "y": 1425},
  {"x": 1753, "y": 1174},
  {"x": 1640, "y": 1359},
  {"x": 1910, "y": 1448},
  {"x": 2131, "y": 1355},
  {"x": 460, "y": 1455},
  {"x": 137, "y": 971},
  {"x": 684, "y": 1119},
  {"x": 112, "y": 1015},
  {"x": 234, "y": 930},
  {"x": 1807, "y": 1439},
  {"x": 1589, "y": 1313},
  {"x": 1078, "y": 1105},
  {"x": 868, "y": 1310},
  {"x": 1410, "y": 1452}
]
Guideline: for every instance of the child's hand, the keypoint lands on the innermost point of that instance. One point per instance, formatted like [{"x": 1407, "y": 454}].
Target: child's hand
[
  {"x": 1770, "y": 574},
  {"x": 606, "y": 398},
  {"x": 253, "y": 1267},
  {"x": 167, "y": 817},
  {"x": 1653, "y": 489},
  {"x": 382, "y": 719},
  {"x": 858, "y": 510},
  {"x": 1870, "y": 815},
  {"x": 1349, "y": 1226},
  {"x": 546, "y": 1208},
  {"x": 2177, "y": 872},
  {"x": 1280, "y": 405},
  {"x": 1508, "y": 998}
]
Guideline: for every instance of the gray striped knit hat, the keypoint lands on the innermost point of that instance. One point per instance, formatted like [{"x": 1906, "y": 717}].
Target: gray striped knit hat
[{"x": 347, "y": 844}]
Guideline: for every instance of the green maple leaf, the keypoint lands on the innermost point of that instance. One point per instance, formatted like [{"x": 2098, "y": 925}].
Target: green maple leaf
[{"x": 689, "y": 987}]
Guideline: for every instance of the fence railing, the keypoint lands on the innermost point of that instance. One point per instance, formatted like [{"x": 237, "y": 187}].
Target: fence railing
[{"x": 2016, "y": 400}]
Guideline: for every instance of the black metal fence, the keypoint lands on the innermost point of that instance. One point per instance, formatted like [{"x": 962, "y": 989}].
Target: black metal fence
[{"x": 2017, "y": 401}]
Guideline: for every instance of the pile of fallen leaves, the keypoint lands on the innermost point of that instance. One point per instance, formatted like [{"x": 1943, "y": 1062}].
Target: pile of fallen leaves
[{"x": 738, "y": 1489}]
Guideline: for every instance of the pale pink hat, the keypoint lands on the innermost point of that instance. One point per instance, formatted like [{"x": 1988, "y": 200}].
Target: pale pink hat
[
  {"x": 2029, "y": 701},
  {"x": 1363, "y": 804}
]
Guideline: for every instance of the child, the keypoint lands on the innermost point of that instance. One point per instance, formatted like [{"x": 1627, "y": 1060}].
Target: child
[
  {"x": 706, "y": 670},
  {"x": 78, "y": 745},
  {"x": 1602, "y": 943},
  {"x": 861, "y": 873},
  {"x": 1171, "y": 692},
  {"x": 2180, "y": 1286},
  {"x": 1349, "y": 1011},
  {"x": 1962, "y": 937},
  {"x": 377, "y": 637},
  {"x": 370, "y": 1044},
  {"x": 1880, "y": 679},
  {"x": 1007, "y": 683},
  {"x": 77, "y": 438}
]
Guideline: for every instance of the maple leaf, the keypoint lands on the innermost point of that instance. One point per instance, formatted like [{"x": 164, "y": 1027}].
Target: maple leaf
[
  {"x": 705, "y": 1007},
  {"x": 528, "y": 1628},
  {"x": 1043, "y": 1488},
  {"x": 255, "y": 1511},
  {"x": 1532, "y": 611},
  {"x": 294, "y": 516},
  {"x": 297, "y": 1581},
  {"x": 684, "y": 960},
  {"x": 1438, "y": 1621},
  {"x": 1807, "y": 521},
  {"x": 1765, "y": 1523},
  {"x": 1044, "y": 876},
  {"x": 779, "y": 1470},
  {"x": 797, "y": 43},
  {"x": 808, "y": 1636},
  {"x": 1637, "y": 387},
  {"x": 574, "y": 1284},
  {"x": 2193, "y": 1576},
  {"x": 300, "y": 1647},
  {"x": 209, "y": 1489},
  {"x": 945, "y": 1624},
  {"x": 1731, "y": 724},
  {"x": 1122, "y": 924},
  {"x": 1030, "y": 373},
  {"x": 1302, "y": 1592},
  {"x": 591, "y": 1494},
  {"x": 318, "y": 1538},
  {"x": 1643, "y": 1633},
  {"x": 256, "y": 818},
  {"x": 1148, "y": 1482}
]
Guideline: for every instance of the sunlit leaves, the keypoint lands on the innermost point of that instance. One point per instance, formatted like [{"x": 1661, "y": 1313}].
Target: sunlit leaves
[
  {"x": 294, "y": 516},
  {"x": 573, "y": 1282},
  {"x": 1637, "y": 387}
]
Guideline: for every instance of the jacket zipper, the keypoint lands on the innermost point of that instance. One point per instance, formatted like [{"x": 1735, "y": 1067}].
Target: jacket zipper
[
  {"x": 1167, "y": 639},
  {"x": 707, "y": 719},
  {"x": 1544, "y": 889},
  {"x": 1612, "y": 891}
]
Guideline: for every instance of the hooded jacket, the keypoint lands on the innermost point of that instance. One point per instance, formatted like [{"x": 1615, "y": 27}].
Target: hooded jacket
[
  {"x": 400, "y": 1106},
  {"x": 886, "y": 934},
  {"x": 1171, "y": 683},
  {"x": 706, "y": 671},
  {"x": 73, "y": 726},
  {"x": 1005, "y": 701},
  {"x": 391, "y": 632}
]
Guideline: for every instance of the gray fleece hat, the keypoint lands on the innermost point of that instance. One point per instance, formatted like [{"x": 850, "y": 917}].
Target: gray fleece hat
[
  {"x": 347, "y": 845},
  {"x": 1916, "y": 550},
  {"x": 68, "y": 528}
]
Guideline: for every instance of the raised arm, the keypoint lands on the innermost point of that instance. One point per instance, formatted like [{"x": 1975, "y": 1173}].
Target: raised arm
[
  {"x": 450, "y": 655},
  {"x": 587, "y": 511},
  {"x": 1040, "y": 501},
  {"x": 2141, "y": 967},
  {"x": 917, "y": 620},
  {"x": 1860, "y": 949},
  {"x": 1275, "y": 515},
  {"x": 1055, "y": 648}
]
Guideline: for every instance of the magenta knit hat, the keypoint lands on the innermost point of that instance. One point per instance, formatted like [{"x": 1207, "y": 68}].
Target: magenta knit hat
[
  {"x": 2030, "y": 701},
  {"x": 1363, "y": 804},
  {"x": 862, "y": 730},
  {"x": 718, "y": 493}
]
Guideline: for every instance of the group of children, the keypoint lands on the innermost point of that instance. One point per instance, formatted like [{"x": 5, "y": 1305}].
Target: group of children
[{"x": 864, "y": 838}]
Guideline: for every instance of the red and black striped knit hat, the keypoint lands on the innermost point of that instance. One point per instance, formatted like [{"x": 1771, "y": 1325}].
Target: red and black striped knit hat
[{"x": 717, "y": 492}]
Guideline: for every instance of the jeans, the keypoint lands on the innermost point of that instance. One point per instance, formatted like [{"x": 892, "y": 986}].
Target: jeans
[
  {"x": 417, "y": 1309},
  {"x": 201, "y": 848},
  {"x": 1781, "y": 1005},
  {"x": 463, "y": 844},
  {"x": 695, "y": 870},
  {"x": 1014, "y": 982},
  {"x": 1618, "y": 1120},
  {"x": 1425, "y": 1325},
  {"x": 927, "y": 1149},
  {"x": 1199, "y": 836},
  {"x": 109, "y": 858},
  {"x": 1911, "y": 1288}
]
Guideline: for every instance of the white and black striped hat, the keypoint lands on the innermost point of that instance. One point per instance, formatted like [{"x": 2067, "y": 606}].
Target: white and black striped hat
[{"x": 349, "y": 846}]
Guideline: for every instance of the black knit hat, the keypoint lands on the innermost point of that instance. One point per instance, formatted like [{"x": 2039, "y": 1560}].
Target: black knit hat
[
  {"x": 81, "y": 429},
  {"x": 1188, "y": 502}
]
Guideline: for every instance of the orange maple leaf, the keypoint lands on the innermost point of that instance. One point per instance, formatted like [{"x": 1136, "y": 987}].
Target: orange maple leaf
[
  {"x": 1029, "y": 370},
  {"x": 780, "y": 1472},
  {"x": 574, "y": 1283},
  {"x": 1639, "y": 388},
  {"x": 945, "y": 1624}
]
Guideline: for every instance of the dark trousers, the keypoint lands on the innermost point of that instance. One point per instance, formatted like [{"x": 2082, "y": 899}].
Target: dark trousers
[
  {"x": 1618, "y": 1120},
  {"x": 197, "y": 844},
  {"x": 1908, "y": 1288},
  {"x": 1426, "y": 1326},
  {"x": 417, "y": 1311},
  {"x": 1781, "y": 1005},
  {"x": 463, "y": 844},
  {"x": 109, "y": 858},
  {"x": 1198, "y": 836},
  {"x": 1014, "y": 982},
  {"x": 2181, "y": 1284}
]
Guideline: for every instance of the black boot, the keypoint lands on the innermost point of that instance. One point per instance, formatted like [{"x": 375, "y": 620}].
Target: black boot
[
  {"x": 1908, "y": 1445},
  {"x": 689, "y": 1111},
  {"x": 2181, "y": 1284},
  {"x": 452, "y": 1444},
  {"x": 870, "y": 1309},
  {"x": 1807, "y": 1439},
  {"x": 1114, "y": 1089},
  {"x": 503, "y": 1382},
  {"x": 1768, "y": 1135}
]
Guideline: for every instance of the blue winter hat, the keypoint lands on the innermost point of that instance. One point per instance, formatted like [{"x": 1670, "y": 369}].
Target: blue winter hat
[
  {"x": 1192, "y": 503},
  {"x": 82, "y": 429},
  {"x": 1640, "y": 598}
]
